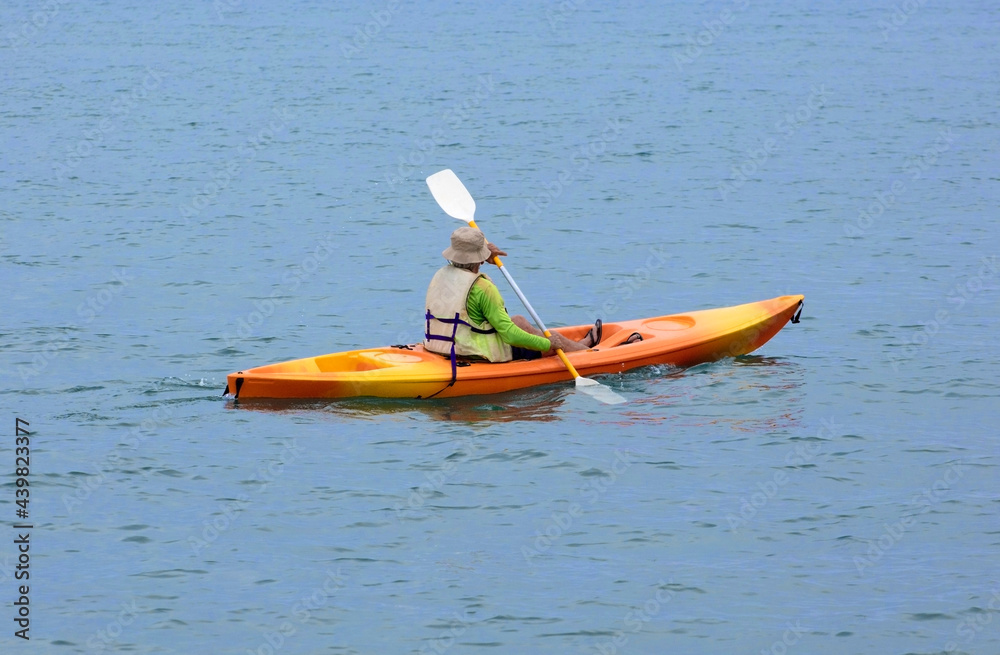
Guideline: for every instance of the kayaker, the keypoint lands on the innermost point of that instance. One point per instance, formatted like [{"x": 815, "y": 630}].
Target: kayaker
[{"x": 466, "y": 316}]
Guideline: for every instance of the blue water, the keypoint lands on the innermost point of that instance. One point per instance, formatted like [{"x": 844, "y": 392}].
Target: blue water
[{"x": 197, "y": 188}]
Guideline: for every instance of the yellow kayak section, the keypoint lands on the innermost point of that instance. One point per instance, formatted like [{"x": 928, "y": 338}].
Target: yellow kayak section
[{"x": 408, "y": 371}]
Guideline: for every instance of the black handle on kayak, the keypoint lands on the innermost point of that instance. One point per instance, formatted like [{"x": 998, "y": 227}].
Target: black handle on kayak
[{"x": 798, "y": 312}]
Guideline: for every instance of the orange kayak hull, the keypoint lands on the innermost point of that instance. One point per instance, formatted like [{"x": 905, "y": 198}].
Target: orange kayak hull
[{"x": 411, "y": 372}]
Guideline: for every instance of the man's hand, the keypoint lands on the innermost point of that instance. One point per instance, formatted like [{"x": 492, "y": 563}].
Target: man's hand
[
  {"x": 494, "y": 251},
  {"x": 558, "y": 341}
]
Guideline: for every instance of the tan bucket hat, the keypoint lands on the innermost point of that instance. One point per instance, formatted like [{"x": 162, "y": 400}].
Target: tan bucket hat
[{"x": 468, "y": 246}]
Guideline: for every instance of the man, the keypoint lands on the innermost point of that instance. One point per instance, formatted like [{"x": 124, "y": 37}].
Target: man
[{"x": 466, "y": 316}]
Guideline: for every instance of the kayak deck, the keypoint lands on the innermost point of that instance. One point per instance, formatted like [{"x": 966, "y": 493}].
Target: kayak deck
[{"x": 409, "y": 371}]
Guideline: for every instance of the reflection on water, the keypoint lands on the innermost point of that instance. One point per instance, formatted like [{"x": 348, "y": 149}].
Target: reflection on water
[
  {"x": 760, "y": 360},
  {"x": 715, "y": 385},
  {"x": 704, "y": 395},
  {"x": 538, "y": 404}
]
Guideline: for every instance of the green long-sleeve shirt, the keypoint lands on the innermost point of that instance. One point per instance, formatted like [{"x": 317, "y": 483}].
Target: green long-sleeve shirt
[{"x": 486, "y": 304}]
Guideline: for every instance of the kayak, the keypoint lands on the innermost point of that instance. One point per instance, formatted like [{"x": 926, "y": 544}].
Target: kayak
[{"x": 409, "y": 371}]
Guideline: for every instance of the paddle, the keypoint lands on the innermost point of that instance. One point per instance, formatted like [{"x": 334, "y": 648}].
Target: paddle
[{"x": 457, "y": 202}]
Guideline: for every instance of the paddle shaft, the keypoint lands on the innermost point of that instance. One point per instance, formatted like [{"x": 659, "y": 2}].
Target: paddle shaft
[{"x": 531, "y": 310}]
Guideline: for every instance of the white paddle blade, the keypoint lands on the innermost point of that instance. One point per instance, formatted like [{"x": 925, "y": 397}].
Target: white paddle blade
[
  {"x": 452, "y": 195},
  {"x": 598, "y": 391}
]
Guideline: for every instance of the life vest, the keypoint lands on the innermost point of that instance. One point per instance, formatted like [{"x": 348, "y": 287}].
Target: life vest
[{"x": 449, "y": 330}]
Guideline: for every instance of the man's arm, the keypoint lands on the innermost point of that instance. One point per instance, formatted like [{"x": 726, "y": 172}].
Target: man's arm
[{"x": 485, "y": 297}]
